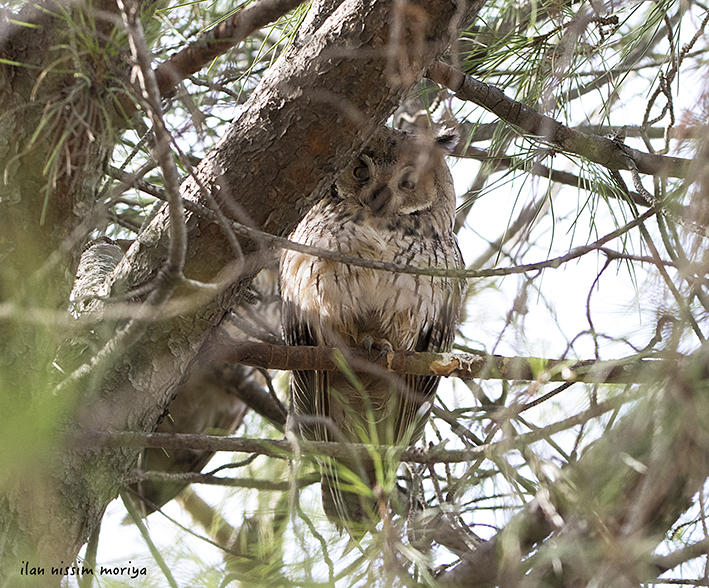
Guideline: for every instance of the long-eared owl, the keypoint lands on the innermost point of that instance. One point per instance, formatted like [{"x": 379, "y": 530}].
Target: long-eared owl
[{"x": 395, "y": 203}]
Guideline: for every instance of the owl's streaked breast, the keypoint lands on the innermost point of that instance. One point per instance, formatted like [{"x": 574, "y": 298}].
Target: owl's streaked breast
[{"x": 344, "y": 301}]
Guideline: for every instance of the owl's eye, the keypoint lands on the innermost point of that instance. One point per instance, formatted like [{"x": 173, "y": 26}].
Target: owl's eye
[
  {"x": 361, "y": 172},
  {"x": 407, "y": 183}
]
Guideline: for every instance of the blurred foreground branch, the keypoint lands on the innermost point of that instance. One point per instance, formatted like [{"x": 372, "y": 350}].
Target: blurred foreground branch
[{"x": 285, "y": 449}]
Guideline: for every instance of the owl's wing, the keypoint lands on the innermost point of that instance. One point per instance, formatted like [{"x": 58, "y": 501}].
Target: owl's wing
[
  {"x": 308, "y": 389},
  {"x": 436, "y": 336}
]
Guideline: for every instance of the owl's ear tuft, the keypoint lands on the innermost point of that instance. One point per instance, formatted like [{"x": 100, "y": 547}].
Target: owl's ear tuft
[{"x": 447, "y": 138}]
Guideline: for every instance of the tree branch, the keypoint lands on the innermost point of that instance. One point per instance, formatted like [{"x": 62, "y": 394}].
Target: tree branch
[
  {"x": 459, "y": 365},
  {"x": 540, "y": 170},
  {"x": 284, "y": 449},
  {"x": 219, "y": 40},
  {"x": 212, "y": 480},
  {"x": 606, "y": 152},
  {"x": 283, "y": 243}
]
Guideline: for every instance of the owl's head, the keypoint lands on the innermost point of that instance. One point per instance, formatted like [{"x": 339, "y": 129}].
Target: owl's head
[{"x": 401, "y": 173}]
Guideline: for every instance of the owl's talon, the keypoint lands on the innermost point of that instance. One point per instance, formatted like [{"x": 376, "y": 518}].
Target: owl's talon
[
  {"x": 384, "y": 349},
  {"x": 368, "y": 343}
]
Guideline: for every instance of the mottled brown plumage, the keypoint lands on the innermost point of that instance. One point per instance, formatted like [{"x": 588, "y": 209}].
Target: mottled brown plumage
[{"x": 395, "y": 203}]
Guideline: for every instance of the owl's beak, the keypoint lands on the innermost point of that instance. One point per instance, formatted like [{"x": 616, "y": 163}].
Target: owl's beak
[{"x": 378, "y": 198}]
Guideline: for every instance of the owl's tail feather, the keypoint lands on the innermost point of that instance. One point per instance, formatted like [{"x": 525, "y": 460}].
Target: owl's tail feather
[{"x": 357, "y": 512}]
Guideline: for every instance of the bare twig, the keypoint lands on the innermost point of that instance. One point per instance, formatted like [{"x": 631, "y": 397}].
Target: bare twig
[
  {"x": 665, "y": 563},
  {"x": 537, "y": 169},
  {"x": 150, "y": 94},
  {"x": 284, "y": 449},
  {"x": 199, "y": 478},
  {"x": 284, "y": 243},
  {"x": 135, "y": 517}
]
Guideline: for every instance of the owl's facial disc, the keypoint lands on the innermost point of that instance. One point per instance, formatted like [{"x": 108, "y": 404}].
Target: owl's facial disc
[
  {"x": 388, "y": 186},
  {"x": 374, "y": 190}
]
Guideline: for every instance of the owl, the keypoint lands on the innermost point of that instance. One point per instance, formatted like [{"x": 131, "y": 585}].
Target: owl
[{"x": 395, "y": 203}]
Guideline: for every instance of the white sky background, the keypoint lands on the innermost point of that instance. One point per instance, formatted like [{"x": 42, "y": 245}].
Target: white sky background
[{"x": 622, "y": 308}]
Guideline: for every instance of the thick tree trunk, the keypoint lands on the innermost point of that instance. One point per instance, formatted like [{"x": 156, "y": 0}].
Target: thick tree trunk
[
  {"x": 54, "y": 141},
  {"x": 319, "y": 104}
]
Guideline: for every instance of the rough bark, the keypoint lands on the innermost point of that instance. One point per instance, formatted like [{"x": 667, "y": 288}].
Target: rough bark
[
  {"x": 316, "y": 107},
  {"x": 54, "y": 138}
]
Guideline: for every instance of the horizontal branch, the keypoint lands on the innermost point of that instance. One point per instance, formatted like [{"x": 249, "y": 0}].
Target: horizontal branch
[
  {"x": 212, "y": 480},
  {"x": 283, "y": 243},
  {"x": 541, "y": 170},
  {"x": 486, "y": 131},
  {"x": 459, "y": 365},
  {"x": 284, "y": 449},
  {"x": 606, "y": 152}
]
